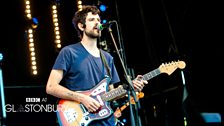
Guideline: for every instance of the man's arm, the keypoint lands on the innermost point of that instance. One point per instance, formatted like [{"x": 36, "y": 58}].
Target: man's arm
[{"x": 54, "y": 88}]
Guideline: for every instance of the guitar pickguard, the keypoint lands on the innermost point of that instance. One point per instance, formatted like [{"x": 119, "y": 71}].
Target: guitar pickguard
[{"x": 96, "y": 93}]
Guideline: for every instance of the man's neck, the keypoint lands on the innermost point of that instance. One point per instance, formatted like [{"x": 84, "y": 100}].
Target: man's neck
[
  {"x": 91, "y": 46},
  {"x": 90, "y": 43}
]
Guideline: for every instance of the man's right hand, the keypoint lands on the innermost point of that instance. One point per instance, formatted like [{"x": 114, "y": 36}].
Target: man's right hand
[{"x": 90, "y": 103}]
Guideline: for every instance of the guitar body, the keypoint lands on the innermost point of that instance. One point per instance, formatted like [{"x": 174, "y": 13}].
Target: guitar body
[{"x": 71, "y": 113}]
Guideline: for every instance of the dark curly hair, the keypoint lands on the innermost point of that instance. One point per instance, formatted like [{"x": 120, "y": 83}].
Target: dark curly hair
[{"x": 80, "y": 17}]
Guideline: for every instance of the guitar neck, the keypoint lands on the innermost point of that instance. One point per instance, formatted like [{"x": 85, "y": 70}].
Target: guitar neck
[
  {"x": 113, "y": 94},
  {"x": 121, "y": 91},
  {"x": 151, "y": 74}
]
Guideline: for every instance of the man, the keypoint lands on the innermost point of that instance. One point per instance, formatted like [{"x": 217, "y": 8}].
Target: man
[{"x": 81, "y": 66}]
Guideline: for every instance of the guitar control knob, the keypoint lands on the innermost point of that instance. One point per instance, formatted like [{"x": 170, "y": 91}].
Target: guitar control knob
[
  {"x": 82, "y": 124},
  {"x": 86, "y": 118}
]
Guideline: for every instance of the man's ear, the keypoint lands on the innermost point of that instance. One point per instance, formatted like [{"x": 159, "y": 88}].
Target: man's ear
[{"x": 81, "y": 26}]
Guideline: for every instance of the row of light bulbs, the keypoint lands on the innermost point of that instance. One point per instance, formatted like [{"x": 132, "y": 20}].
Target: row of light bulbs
[{"x": 30, "y": 34}]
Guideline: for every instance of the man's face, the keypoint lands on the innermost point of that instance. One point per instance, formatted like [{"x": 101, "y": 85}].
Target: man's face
[{"x": 91, "y": 25}]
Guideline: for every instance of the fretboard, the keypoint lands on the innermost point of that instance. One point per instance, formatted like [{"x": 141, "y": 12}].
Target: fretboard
[
  {"x": 151, "y": 74},
  {"x": 121, "y": 91},
  {"x": 113, "y": 94}
]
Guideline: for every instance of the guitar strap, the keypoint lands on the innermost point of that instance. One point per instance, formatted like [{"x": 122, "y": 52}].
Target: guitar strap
[{"x": 105, "y": 63}]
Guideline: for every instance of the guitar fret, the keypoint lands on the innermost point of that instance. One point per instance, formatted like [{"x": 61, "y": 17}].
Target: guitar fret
[
  {"x": 113, "y": 94},
  {"x": 151, "y": 74}
]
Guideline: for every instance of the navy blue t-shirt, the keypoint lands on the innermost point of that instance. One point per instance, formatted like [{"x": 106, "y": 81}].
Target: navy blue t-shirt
[{"x": 82, "y": 71}]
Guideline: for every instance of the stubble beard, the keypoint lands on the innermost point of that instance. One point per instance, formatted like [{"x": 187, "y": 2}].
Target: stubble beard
[{"x": 93, "y": 35}]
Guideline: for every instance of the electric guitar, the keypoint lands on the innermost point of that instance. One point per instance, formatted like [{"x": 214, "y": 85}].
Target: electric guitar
[{"x": 72, "y": 113}]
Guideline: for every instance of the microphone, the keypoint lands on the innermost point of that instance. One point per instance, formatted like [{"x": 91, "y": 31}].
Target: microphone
[{"x": 104, "y": 25}]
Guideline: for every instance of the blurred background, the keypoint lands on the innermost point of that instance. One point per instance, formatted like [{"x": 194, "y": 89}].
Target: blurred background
[{"x": 148, "y": 33}]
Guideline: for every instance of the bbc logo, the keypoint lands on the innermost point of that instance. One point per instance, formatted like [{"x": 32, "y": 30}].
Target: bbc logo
[{"x": 32, "y": 99}]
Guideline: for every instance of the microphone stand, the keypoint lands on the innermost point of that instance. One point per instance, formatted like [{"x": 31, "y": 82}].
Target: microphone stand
[{"x": 130, "y": 85}]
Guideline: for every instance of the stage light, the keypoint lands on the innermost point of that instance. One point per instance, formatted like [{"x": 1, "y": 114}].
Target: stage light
[
  {"x": 1, "y": 56},
  {"x": 124, "y": 120},
  {"x": 104, "y": 21},
  {"x": 103, "y": 8},
  {"x": 79, "y": 5},
  {"x": 56, "y": 26},
  {"x": 34, "y": 23}
]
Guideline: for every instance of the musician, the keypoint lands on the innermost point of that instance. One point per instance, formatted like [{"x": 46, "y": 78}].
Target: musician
[{"x": 80, "y": 66}]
